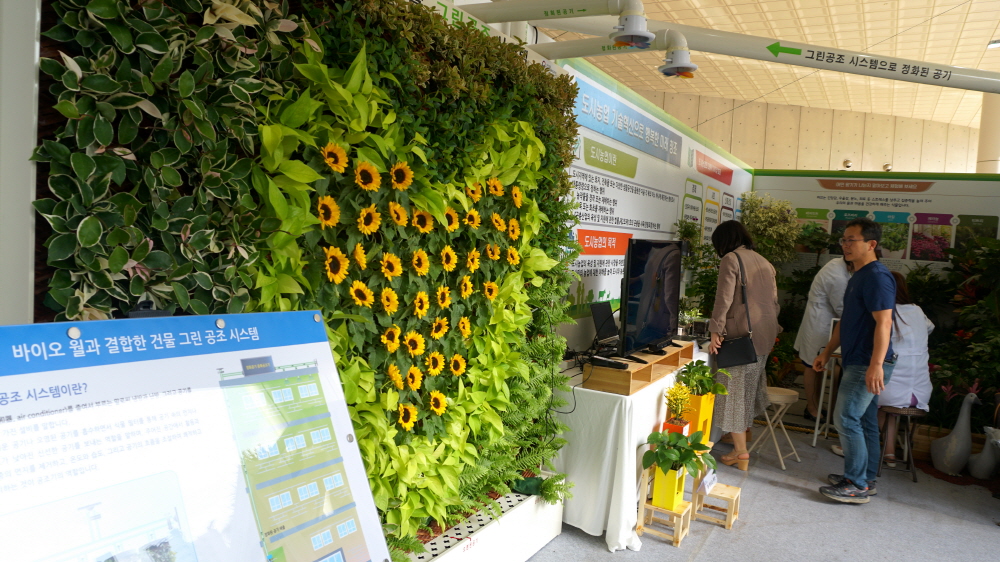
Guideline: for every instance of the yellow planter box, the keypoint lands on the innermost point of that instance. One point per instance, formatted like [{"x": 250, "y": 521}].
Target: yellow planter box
[
  {"x": 668, "y": 489},
  {"x": 700, "y": 411}
]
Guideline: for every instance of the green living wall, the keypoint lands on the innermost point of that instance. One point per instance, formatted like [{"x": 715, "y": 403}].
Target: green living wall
[{"x": 363, "y": 158}]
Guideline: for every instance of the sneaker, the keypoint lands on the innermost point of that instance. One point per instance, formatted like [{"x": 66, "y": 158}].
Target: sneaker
[
  {"x": 845, "y": 492},
  {"x": 890, "y": 461},
  {"x": 837, "y": 450},
  {"x": 836, "y": 479}
]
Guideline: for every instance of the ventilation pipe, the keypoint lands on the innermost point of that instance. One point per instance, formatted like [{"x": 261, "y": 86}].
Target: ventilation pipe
[{"x": 629, "y": 31}]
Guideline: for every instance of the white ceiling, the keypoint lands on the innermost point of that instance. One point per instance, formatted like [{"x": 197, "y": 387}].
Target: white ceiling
[{"x": 957, "y": 34}]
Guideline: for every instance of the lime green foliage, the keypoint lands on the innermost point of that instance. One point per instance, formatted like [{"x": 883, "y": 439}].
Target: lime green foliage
[
  {"x": 698, "y": 377},
  {"x": 675, "y": 451},
  {"x": 894, "y": 236},
  {"x": 677, "y": 398},
  {"x": 702, "y": 263},
  {"x": 773, "y": 225}
]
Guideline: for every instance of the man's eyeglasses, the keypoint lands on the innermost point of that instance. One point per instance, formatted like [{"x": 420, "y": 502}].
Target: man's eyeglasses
[{"x": 846, "y": 242}]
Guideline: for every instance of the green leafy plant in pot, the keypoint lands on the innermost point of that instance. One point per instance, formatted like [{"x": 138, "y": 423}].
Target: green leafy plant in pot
[
  {"x": 674, "y": 455},
  {"x": 700, "y": 379}
]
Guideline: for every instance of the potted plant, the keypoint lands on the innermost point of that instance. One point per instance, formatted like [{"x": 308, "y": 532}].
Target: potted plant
[
  {"x": 678, "y": 398},
  {"x": 700, "y": 380},
  {"x": 673, "y": 454}
]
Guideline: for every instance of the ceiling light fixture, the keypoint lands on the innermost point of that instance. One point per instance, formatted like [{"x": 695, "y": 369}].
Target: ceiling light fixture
[{"x": 993, "y": 44}]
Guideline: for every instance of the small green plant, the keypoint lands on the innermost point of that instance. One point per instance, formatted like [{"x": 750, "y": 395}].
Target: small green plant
[
  {"x": 702, "y": 263},
  {"x": 675, "y": 451},
  {"x": 894, "y": 236},
  {"x": 677, "y": 398},
  {"x": 815, "y": 238},
  {"x": 698, "y": 377},
  {"x": 773, "y": 225}
]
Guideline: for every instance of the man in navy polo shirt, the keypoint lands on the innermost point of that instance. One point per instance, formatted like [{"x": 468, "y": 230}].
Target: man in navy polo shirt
[{"x": 864, "y": 336}]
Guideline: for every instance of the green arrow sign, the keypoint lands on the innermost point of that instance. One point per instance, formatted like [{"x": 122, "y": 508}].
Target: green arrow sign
[{"x": 776, "y": 48}]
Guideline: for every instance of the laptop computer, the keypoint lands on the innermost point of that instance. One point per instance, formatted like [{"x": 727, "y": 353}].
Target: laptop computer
[{"x": 604, "y": 322}]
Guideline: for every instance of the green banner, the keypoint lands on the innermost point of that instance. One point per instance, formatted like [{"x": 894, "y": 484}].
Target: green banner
[
  {"x": 815, "y": 214},
  {"x": 611, "y": 159}
]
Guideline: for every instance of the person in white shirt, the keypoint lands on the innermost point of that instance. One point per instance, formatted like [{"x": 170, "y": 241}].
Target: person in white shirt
[{"x": 910, "y": 385}]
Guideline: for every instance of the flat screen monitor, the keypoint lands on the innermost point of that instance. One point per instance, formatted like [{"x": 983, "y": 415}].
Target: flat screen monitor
[
  {"x": 650, "y": 295},
  {"x": 604, "y": 321}
]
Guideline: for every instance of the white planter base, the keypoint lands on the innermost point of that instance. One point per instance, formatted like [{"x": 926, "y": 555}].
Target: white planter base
[{"x": 528, "y": 523}]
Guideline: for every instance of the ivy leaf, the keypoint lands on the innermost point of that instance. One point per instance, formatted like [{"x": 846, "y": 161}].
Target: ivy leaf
[
  {"x": 152, "y": 42},
  {"x": 89, "y": 232},
  {"x": 183, "y": 298},
  {"x": 83, "y": 165},
  {"x": 121, "y": 35},
  {"x": 298, "y": 171},
  {"x": 124, "y": 100},
  {"x": 62, "y": 247},
  {"x": 105, "y": 9},
  {"x": 71, "y": 65},
  {"x": 100, "y": 83},
  {"x": 68, "y": 109},
  {"x": 185, "y": 84}
]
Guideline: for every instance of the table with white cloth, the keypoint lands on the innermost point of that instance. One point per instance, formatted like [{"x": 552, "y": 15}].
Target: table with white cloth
[{"x": 601, "y": 456}]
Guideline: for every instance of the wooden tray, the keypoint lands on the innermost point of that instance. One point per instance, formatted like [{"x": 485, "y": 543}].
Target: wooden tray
[{"x": 637, "y": 375}]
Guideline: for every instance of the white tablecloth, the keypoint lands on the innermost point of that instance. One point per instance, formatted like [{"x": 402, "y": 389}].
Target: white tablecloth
[{"x": 601, "y": 457}]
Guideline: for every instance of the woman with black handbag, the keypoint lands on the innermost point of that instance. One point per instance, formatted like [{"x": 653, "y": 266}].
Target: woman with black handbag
[{"x": 744, "y": 327}]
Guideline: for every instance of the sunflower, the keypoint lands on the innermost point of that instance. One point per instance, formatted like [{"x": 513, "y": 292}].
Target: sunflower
[
  {"x": 464, "y": 326},
  {"x": 498, "y": 222},
  {"x": 444, "y": 297},
  {"x": 438, "y": 402},
  {"x": 513, "y": 258},
  {"x": 366, "y": 176},
  {"x": 457, "y": 366},
  {"x": 329, "y": 212},
  {"x": 336, "y": 264},
  {"x": 391, "y": 338},
  {"x": 414, "y": 377},
  {"x": 496, "y": 188},
  {"x": 439, "y": 329},
  {"x": 414, "y": 343},
  {"x": 335, "y": 157},
  {"x": 490, "y": 289},
  {"x": 472, "y": 262},
  {"x": 391, "y": 266},
  {"x": 475, "y": 192},
  {"x": 448, "y": 259},
  {"x": 472, "y": 219},
  {"x": 421, "y": 304},
  {"x": 435, "y": 363},
  {"x": 396, "y": 377},
  {"x": 401, "y": 176},
  {"x": 493, "y": 251},
  {"x": 423, "y": 221},
  {"x": 369, "y": 220},
  {"x": 515, "y": 194},
  {"x": 451, "y": 220},
  {"x": 465, "y": 287},
  {"x": 407, "y": 416},
  {"x": 513, "y": 229},
  {"x": 421, "y": 264},
  {"x": 359, "y": 256},
  {"x": 361, "y": 294},
  {"x": 390, "y": 301},
  {"x": 398, "y": 213}
]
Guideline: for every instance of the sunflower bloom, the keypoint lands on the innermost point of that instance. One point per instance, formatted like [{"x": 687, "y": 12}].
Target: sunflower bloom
[
  {"x": 465, "y": 288},
  {"x": 423, "y": 221},
  {"x": 472, "y": 262},
  {"x": 448, "y": 259},
  {"x": 367, "y": 178},
  {"x": 493, "y": 251},
  {"x": 396, "y": 377},
  {"x": 439, "y": 329},
  {"x": 407, "y": 416},
  {"x": 414, "y": 378},
  {"x": 421, "y": 304},
  {"x": 513, "y": 258},
  {"x": 438, "y": 402},
  {"x": 390, "y": 301},
  {"x": 401, "y": 176},
  {"x": 421, "y": 264},
  {"x": 328, "y": 212},
  {"x": 465, "y": 327},
  {"x": 359, "y": 256},
  {"x": 475, "y": 192},
  {"x": 473, "y": 220},
  {"x": 457, "y": 365},
  {"x": 515, "y": 194},
  {"x": 369, "y": 220},
  {"x": 490, "y": 289},
  {"x": 336, "y": 265},
  {"x": 498, "y": 222},
  {"x": 391, "y": 338},
  {"x": 444, "y": 297},
  {"x": 398, "y": 213},
  {"x": 361, "y": 294},
  {"x": 451, "y": 220},
  {"x": 496, "y": 188},
  {"x": 414, "y": 343},
  {"x": 391, "y": 266},
  {"x": 335, "y": 157},
  {"x": 435, "y": 363},
  {"x": 513, "y": 229}
]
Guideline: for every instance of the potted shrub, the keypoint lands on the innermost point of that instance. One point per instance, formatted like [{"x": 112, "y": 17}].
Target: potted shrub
[
  {"x": 678, "y": 399},
  {"x": 700, "y": 380},
  {"x": 673, "y": 454}
]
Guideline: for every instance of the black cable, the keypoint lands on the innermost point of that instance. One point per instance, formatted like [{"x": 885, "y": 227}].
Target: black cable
[{"x": 572, "y": 388}]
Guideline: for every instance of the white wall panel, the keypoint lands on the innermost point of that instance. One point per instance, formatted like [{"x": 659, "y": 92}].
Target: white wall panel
[
  {"x": 715, "y": 118},
  {"x": 749, "y": 133},
  {"x": 848, "y": 139},
  {"x": 973, "y": 150},
  {"x": 782, "y": 138},
  {"x": 933, "y": 149},
  {"x": 815, "y": 136},
  {"x": 908, "y": 142},
  {"x": 956, "y": 157},
  {"x": 683, "y": 107},
  {"x": 879, "y": 136}
]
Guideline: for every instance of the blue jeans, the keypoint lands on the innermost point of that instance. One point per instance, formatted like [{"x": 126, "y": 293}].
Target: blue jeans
[{"x": 856, "y": 417}]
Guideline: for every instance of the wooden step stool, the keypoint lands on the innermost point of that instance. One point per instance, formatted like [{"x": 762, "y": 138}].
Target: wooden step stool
[
  {"x": 722, "y": 492},
  {"x": 678, "y": 521}
]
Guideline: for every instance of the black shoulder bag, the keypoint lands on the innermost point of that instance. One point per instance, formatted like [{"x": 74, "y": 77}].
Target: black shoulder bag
[{"x": 738, "y": 351}]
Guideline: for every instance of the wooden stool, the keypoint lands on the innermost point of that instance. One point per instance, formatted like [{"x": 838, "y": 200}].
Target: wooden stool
[
  {"x": 678, "y": 521},
  {"x": 731, "y": 511},
  {"x": 909, "y": 414},
  {"x": 781, "y": 399}
]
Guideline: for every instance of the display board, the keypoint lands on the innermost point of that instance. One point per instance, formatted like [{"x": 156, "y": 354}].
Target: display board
[
  {"x": 922, "y": 215},
  {"x": 199, "y": 438},
  {"x": 637, "y": 170}
]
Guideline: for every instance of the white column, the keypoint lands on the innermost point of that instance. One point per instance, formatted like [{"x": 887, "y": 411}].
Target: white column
[
  {"x": 988, "y": 158},
  {"x": 20, "y": 21}
]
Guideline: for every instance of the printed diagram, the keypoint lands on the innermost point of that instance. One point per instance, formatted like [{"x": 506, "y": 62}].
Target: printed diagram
[{"x": 294, "y": 469}]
